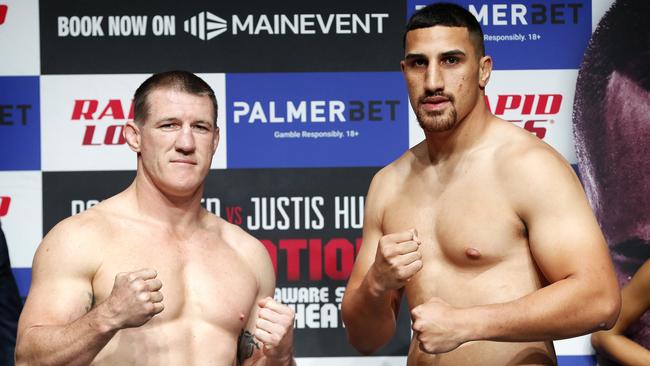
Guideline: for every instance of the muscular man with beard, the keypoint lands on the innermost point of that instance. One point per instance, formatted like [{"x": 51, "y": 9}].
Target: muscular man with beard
[{"x": 482, "y": 226}]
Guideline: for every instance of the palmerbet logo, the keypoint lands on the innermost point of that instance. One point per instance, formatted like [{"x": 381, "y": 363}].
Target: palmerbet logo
[
  {"x": 315, "y": 119},
  {"x": 205, "y": 25}
]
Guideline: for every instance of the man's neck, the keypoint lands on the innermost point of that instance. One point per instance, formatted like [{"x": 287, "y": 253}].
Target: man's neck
[
  {"x": 175, "y": 211},
  {"x": 466, "y": 135}
]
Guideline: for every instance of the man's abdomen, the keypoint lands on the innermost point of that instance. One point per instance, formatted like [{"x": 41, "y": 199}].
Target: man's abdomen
[
  {"x": 484, "y": 353},
  {"x": 177, "y": 342}
]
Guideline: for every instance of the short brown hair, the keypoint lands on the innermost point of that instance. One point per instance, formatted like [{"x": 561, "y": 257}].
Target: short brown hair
[{"x": 177, "y": 79}]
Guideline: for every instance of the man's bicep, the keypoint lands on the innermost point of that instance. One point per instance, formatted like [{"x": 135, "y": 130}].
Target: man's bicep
[
  {"x": 265, "y": 272},
  {"x": 365, "y": 258},
  {"x": 563, "y": 234},
  {"x": 248, "y": 347},
  {"x": 370, "y": 238},
  {"x": 567, "y": 243},
  {"x": 61, "y": 289}
]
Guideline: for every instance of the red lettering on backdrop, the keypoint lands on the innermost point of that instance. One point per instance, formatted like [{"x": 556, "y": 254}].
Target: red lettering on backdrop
[
  {"x": 88, "y": 136},
  {"x": 315, "y": 259},
  {"x": 556, "y": 102},
  {"x": 321, "y": 259},
  {"x": 4, "y": 205},
  {"x": 3, "y": 13},
  {"x": 84, "y": 108},
  {"x": 347, "y": 258},
  {"x": 111, "y": 132},
  {"x": 293, "y": 248},
  {"x": 513, "y": 102},
  {"x": 113, "y": 109}
]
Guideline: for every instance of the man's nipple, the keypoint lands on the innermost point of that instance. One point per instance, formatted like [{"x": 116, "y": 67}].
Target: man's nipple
[{"x": 472, "y": 253}]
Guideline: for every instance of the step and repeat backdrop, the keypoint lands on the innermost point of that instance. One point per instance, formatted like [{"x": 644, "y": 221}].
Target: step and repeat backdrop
[{"x": 312, "y": 104}]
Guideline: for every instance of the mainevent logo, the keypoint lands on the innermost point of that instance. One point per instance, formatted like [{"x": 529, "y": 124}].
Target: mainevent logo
[
  {"x": 3, "y": 13},
  {"x": 206, "y": 25}
]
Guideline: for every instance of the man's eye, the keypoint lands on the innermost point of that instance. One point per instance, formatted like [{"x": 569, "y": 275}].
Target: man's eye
[
  {"x": 419, "y": 63},
  {"x": 450, "y": 60}
]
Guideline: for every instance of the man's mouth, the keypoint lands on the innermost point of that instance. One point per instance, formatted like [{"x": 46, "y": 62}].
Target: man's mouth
[
  {"x": 435, "y": 103},
  {"x": 184, "y": 161}
]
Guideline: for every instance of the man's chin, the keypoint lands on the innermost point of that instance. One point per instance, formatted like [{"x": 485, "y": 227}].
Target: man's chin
[
  {"x": 181, "y": 189},
  {"x": 436, "y": 126},
  {"x": 438, "y": 120}
]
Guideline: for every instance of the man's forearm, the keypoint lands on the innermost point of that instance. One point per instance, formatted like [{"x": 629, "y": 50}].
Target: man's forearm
[
  {"x": 284, "y": 358},
  {"x": 564, "y": 309},
  {"x": 369, "y": 317},
  {"x": 76, "y": 343},
  {"x": 268, "y": 361}
]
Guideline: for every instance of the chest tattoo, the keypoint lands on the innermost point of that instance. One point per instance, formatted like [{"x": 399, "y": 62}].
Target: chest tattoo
[{"x": 245, "y": 346}]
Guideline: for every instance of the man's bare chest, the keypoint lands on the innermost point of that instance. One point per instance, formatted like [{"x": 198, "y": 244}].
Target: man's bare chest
[
  {"x": 466, "y": 223},
  {"x": 474, "y": 246},
  {"x": 204, "y": 280}
]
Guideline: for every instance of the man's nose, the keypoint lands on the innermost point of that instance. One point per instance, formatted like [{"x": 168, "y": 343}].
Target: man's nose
[
  {"x": 433, "y": 80},
  {"x": 185, "y": 140}
]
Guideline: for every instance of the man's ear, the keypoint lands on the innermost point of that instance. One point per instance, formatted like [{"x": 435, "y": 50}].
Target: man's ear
[
  {"x": 131, "y": 133},
  {"x": 484, "y": 71}
]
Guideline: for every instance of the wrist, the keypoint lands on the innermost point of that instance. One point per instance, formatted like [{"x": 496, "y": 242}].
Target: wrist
[
  {"x": 374, "y": 286},
  {"x": 105, "y": 319},
  {"x": 475, "y": 325},
  {"x": 285, "y": 357}
]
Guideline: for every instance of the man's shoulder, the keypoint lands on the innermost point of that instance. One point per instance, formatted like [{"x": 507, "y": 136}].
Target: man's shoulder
[
  {"x": 400, "y": 168},
  {"x": 83, "y": 231},
  {"x": 518, "y": 151},
  {"x": 527, "y": 167},
  {"x": 245, "y": 244},
  {"x": 248, "y": 249}
]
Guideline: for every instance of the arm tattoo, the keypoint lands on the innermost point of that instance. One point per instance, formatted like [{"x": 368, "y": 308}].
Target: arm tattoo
[
  {"x": 245, "y": 346},
  {"x": 91, "y": 301}
]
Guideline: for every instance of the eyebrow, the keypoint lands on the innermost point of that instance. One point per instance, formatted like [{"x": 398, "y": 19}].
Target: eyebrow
[
  {"x": 165, "y": 119},
  {"x": 455, "y": 52},
  {"x": 414, "y": 55}
]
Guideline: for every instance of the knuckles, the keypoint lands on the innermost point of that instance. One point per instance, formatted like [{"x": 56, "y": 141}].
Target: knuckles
[
  {"x": 401, "y": 273},
  {"x": 144, "y": 296},
  {"x": 137, "y": 285},
  {"x": 426, "y": 348},
  {"x": 416, "y": 311},
  {"x": 148, "y": 307}
]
